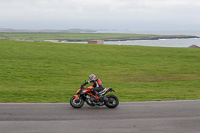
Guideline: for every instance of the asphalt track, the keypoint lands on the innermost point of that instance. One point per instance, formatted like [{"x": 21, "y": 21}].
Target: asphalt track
[{"x": 130, "y": 117}]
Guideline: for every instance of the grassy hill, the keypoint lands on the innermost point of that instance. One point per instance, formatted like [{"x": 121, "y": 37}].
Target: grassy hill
[{"x": 51, "y": 72}]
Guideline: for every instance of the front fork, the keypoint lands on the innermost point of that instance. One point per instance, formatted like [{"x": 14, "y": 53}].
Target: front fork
[{"x": 77, "y": 99}]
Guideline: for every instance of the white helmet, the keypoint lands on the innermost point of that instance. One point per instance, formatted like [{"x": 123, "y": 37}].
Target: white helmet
[{"x": 92, "y": 76}]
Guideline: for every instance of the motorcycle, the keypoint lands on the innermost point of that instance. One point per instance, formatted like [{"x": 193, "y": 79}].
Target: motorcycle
[{"x": 85, "y": 94}]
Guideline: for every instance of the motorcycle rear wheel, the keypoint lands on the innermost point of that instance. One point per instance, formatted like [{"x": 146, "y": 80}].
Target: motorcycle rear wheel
[
  {"x": 76, "y": 105},
  {"x": 112, "y": 102}
]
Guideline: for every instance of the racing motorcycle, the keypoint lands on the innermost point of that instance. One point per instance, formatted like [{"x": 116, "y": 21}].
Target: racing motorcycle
[{"x": 85, "y": 94}]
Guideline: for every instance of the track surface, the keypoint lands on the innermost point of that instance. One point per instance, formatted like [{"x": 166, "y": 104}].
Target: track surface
[{"x": 133, "y": 117}]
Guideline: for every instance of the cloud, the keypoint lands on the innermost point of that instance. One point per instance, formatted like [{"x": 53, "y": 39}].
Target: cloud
[{"x": 94, "y": 13}]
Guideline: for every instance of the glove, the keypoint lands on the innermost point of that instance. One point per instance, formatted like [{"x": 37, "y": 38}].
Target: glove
[
  {"x": 85, "y": 83},
  {"x": 82, "y": 86}
]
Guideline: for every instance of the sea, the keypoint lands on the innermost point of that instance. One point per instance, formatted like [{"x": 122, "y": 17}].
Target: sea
[{"x": 156, "y": 43}]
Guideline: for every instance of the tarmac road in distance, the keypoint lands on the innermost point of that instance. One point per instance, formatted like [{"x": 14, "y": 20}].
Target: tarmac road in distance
[{"x": 128, "y": 117}]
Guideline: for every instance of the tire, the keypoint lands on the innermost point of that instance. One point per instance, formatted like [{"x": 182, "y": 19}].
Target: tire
[
  {"x": 76, "y": 105},
  {"x": 112, "y": 104}
]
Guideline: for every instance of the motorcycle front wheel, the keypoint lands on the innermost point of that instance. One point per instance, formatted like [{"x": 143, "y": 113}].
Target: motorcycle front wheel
[
  {"x": 75, "y": 104},
  {"x": 112, "y": 102}
]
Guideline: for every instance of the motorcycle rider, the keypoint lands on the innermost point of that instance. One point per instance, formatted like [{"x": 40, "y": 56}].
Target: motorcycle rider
[{"x": 97, "y": 84}]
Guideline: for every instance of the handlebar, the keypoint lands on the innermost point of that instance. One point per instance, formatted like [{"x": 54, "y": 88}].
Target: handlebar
[{"x": 83, "y": 84}]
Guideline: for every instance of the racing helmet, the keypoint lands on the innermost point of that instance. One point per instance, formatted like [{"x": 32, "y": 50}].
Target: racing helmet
[{"x": 92, "y": 76}]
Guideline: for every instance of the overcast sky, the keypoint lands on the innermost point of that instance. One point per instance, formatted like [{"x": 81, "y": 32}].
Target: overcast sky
[{"x": 100, "y": 14}]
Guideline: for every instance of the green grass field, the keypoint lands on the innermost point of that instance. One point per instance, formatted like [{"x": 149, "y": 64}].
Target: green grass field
[
  {"x": 52, "y": 72},
  {"x": 79, "y": 36}
]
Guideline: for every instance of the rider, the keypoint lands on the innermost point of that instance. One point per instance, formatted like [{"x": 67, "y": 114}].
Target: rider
[{"x": 97, "y": 84}]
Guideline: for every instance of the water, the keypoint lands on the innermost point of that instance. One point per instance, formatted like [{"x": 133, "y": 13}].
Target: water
[{"x": 158, "y": 43}]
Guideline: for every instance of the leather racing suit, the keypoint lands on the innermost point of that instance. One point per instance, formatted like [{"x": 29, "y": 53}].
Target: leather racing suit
[{"x": 97, "y": 84}]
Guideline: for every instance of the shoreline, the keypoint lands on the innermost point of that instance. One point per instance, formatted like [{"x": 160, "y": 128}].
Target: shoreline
[
  {"x": 83, "y": 37},
  {"x": 127, "y": 39}
]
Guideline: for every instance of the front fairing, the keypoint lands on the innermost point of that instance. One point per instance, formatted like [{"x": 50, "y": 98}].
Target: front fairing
[{"x": 79, "y": 91}]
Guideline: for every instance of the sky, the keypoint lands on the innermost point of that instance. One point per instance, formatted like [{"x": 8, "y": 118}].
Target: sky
[{"x": 101, "y": 14}]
